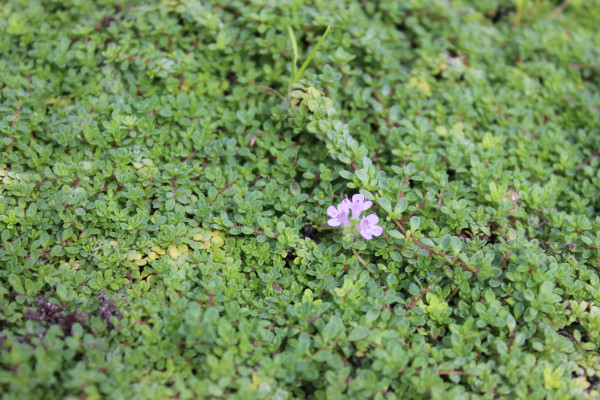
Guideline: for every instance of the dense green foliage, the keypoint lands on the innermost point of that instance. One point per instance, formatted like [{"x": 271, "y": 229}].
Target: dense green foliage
[{"x": 162, "y": 205}]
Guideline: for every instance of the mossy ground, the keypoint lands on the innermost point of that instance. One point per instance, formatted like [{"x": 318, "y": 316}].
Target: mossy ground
[{"x": 163, "y": 191}]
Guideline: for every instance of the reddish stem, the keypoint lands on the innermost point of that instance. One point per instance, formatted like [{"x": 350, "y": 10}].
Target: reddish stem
[
  {"x": 419, "y": 297},
  {"x": 181, "y": 80},
  {"x": 17, "y": 112},
  {"x": 189, "y": 158},
  {"x": 589, "y": 159},
  {"x": 412, "y": 213},
  {"x": 432, "y": 251}
]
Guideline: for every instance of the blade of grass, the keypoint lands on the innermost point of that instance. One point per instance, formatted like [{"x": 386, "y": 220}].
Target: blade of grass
[
  {"x": 312, "y": 53},
  {"x": 558, "y": 9},
  {"x": 519, "y": 4},
  {"x": 294, "y": 48}
]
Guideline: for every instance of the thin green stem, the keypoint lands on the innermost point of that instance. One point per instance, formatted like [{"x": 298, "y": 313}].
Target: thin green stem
[{"x": 358, "y": 257}]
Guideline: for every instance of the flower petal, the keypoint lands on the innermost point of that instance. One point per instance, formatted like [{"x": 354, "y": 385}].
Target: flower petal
[
  {"x": 334, "y": 222},
  {"x": 357, "y": 205},
  {"x": 332, "y": 211},
  {"x": 372, "y": 219},
  {"x": 344, "y": 206},
  {"x": 366, "y": 234},
  {"x": 376, "y": 230},
  {"x": 358, "y": 198},
  {"x": 367, "y": 205}
]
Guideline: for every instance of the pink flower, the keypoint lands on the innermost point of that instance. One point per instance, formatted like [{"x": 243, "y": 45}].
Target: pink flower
[
  {"x": 339, "y": 215},
  {"x": 358, "y": 205},
  {"x": 368, "y": 226}
]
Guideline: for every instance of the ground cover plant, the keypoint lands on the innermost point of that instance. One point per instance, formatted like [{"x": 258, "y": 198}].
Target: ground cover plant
[{"x": 173, "y": 215}]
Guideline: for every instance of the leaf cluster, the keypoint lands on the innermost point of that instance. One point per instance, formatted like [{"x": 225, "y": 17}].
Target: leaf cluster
[{"x": 162, "y": 204}]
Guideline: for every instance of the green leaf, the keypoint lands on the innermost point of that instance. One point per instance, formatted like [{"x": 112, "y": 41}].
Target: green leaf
[
  {"x": 15, "y": 282},
  {"x": 511, "y": 323},
  {"x": 415, "y": 223},
  {"x": 362, "y": 175},
  {"x": 396, "y": 234},
  {"x": 332, "y": 329},
  {"x": 401, "y": 205},
  {"x": 456, "y": 244},
  {"x": 546, "y": 288},
  {"x": 170, "y": 204},
  {"x": 385, "y": 204},
  {"x": 61, "y": 291},
  {"x": 303, "y": 344},
  {"x": 358, "y": 333}
]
